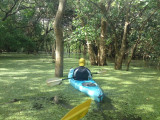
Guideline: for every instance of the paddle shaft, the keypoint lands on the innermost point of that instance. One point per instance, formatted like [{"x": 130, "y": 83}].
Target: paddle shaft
[
  {"x": 66, "y": 78},
  {"x": 95, "y": 73}
]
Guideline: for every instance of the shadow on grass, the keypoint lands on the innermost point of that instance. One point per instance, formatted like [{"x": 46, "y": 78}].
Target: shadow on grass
[{"x": 130, "y": 95}]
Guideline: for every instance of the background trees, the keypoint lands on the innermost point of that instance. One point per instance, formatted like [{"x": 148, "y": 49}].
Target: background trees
[
  {"x": 31, "y": 21},
  {"x": 122, "y": 25},
  {"x": 117, "y": 29}
]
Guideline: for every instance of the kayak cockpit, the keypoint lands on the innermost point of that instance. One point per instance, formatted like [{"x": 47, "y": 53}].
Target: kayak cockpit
[{"x": 89, "y": 84}]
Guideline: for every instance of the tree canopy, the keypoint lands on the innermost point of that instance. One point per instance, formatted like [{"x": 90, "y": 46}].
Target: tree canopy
[{"x": 119, "y": 29}]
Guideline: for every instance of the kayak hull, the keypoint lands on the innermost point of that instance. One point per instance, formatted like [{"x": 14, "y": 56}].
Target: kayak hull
[{"x": 89, "y": 87}]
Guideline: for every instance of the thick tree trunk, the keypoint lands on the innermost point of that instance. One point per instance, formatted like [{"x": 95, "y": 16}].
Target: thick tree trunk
[
  {"x": 120, "y": 54},
  {"x": 59, "y": 54},
  {"x": 111, "y": 52},
  {"x": 92, "y": 54},
  {"x": 102, "y": 44},
  {"x": 118, "y": 61},
  {"x": 59, "y": 40},
  {"x": 131, "y": 55}
]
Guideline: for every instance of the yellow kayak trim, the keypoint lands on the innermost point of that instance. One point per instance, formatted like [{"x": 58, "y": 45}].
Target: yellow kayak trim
[{"x": 78, "y": 112}]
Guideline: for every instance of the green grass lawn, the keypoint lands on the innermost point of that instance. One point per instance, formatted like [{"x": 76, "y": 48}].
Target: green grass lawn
[{"x": 24, "y": 95}]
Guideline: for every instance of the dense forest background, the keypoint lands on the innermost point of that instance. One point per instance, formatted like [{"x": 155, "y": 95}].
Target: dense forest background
[
  {"x": 120, "y": 40},
  {"x": 103, "y": 29}
]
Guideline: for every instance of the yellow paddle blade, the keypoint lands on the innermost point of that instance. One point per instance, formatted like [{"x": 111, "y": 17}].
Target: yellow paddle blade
[{"x": 78, "y": 112}]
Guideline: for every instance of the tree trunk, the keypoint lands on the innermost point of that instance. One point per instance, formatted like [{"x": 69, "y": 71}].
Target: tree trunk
[
  {"x": 68, "y": 50},
  {"x": 120, "y": 54},
  {"x": 102, "y": 44},
  {"x": 85, "y": 50},
  {"x": 111, "y": 52},
  {"x": 79, "y": 51},
  {"x": 138, "y": 40},
  {"x": 118, "y": 61},
  {"x": 131, "y": 55},
  {"x": 92, "y": 54},
  {"x": 59, "y": 40},
  {"x": 53, "y": 51}
]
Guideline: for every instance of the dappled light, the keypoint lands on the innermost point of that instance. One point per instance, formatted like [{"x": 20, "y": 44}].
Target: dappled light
[
  {"x": 24, "y": 93},
  {"x": 145, "y": 108},
  {"x": 117, "y": 40}
]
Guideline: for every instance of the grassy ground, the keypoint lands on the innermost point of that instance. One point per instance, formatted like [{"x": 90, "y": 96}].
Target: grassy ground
[{"x": 24, "y": 95}]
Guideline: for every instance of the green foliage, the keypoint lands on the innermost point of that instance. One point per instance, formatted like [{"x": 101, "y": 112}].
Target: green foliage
[
  {"x": 87, "y": 32},
  {"x": 29, "y": 24},
  {"x": 85, "y": 24},
  {"x": 22, "y": 28},
  {"x": 14, "y": 39}
]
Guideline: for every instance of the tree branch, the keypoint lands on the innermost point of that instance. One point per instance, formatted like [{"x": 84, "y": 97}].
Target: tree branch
[
  {"x": 2, "y": 10},
  {"x": 10, "y": 10},
  {"x": 96, "y": 5},
  {"x": 14, "y": 6},
  {"x": 144, "y": 22},
  {"x": 139, "y": 14}
]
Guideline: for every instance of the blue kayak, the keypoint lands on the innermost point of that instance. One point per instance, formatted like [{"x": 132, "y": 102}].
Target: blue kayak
[{"x": 89, "y": 87}]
